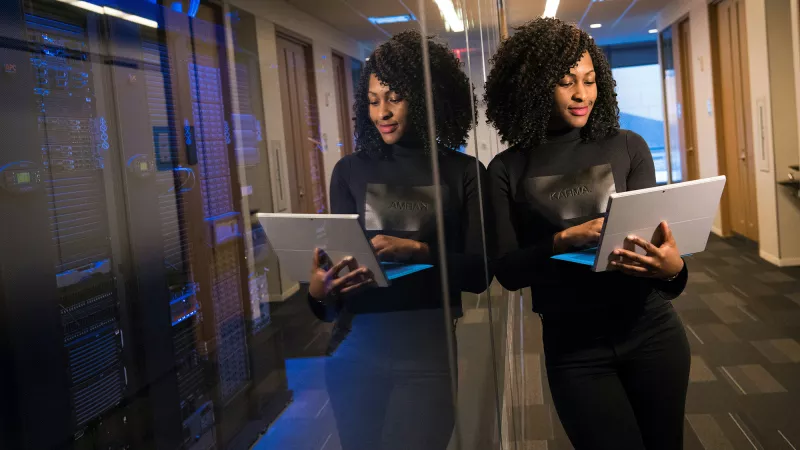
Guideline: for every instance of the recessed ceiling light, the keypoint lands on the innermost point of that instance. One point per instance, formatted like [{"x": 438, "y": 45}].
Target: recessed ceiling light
[
  {"x": 595, "y": 25},
  {"x": 653, "y": 31}
]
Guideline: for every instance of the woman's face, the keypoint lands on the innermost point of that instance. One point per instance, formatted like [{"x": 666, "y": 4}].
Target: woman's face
[
  {"x": 575, "y": 95},
  {"x": 387, "y": 110}
]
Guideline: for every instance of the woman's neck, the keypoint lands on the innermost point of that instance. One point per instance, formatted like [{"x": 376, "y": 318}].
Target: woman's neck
[
  {"x": 563, "y": 134},
  {"x": 411, "y": 140},
  {"x": 409, "y": 143}
]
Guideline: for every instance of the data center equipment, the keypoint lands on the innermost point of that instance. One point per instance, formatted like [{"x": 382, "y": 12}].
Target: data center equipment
[{"x": 125, "y": 300}]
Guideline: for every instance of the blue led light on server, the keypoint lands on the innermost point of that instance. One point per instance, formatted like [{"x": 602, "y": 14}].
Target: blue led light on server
[
  {"x": 103, "y": 133},
  {"x": 187, "y": 131}
]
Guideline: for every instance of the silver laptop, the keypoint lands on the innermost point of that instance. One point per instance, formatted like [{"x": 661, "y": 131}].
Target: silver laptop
[
  {"x": 294, "y": 237},
  {"x": 689, "y": 209}
]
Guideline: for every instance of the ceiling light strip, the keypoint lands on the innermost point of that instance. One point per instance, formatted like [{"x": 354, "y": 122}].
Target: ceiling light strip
[
  {"x": 452, "y": 21},
  {"x": 112, "y": 12},
  {"x": 550, "y": 8}
]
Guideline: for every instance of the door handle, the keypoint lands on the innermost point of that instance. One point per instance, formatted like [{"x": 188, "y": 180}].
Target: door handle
[
  {"x": 301, "y": 191},
  {"x": 742, "y": 155}
]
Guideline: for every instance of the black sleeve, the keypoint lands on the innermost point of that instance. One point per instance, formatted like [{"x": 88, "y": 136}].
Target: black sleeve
[
  {"x": 342, "y": 202},
  {"x": 467, "y": 269},
  {"x": 643, "y": 171},
  {"x": 513, "y": 266},
  {"x": 670, "y": 290},
  {"x": 642, "y": 176}
]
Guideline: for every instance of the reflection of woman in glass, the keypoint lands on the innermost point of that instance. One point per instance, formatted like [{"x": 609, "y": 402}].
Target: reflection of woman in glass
[
  {"x": 616, "y": 353},
  {"x": 389, "y": 380}
]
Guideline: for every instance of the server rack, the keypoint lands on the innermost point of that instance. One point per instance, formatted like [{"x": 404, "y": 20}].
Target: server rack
[
  {"x": 270, "y": 391},
  {"x": 28, "y": 289},
  {"x": 196, "y": 47},
  {"x": 125, "y": 230},
  {"x": 57, "y": 175}
]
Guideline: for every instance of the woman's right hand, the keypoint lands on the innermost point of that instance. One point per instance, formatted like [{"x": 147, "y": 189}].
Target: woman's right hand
[
  {"x": 325, "y": 282},
  {"x": 582, "y": 235}
]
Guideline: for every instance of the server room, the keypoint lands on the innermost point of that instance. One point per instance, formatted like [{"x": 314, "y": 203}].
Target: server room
[{"x": 295, "y": 224}]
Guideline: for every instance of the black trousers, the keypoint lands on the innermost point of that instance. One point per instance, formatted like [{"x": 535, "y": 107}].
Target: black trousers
[
  {"x": 389, "y": 383},
  {"x": 619, "y": 380}
]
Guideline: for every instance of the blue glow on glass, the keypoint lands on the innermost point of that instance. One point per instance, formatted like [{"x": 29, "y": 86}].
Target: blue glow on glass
[
  {"x": 94, "y": 333},
  {"x": 182, "y": 297},
  {"x": 194, "y": 5},
  {"x": 391, "y": 19},
  {"x": 2, "y": 168},
  {"x": 222, "y": 216},
  {"x": 259, "y": 137},
  {"x": 181, "y": 319},
  {"x": 88, "y": 269}
]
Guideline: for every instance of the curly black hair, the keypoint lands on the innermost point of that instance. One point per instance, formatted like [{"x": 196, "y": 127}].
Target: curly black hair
[
  {"x": 398, "y": 64},
  {"x": 526, "y": 68}
]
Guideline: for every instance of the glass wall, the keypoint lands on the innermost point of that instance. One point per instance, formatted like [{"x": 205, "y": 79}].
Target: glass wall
[
  {"x": 641, "y": 108},
  {"x": 640, "y": 96},
  {"x": 145, "y": 305},
  {"x": 673, "y": 106}
]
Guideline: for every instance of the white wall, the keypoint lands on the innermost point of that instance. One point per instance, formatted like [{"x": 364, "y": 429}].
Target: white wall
[
  {"x": 795, "y": 21},
  {"x": 769, "y": 244},
  {"x": 698, "y": 12},
  {"x": 784, "y": 124},
  {"x": 703, "y": 82}
]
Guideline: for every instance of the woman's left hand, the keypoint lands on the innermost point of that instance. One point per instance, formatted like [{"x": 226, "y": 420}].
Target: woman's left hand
[
  {"x": 396, "y": 249},
  {"x": 661, "y": 262}
]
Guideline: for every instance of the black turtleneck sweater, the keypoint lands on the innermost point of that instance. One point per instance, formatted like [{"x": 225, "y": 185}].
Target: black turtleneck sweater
[
  {"x": 538, "y": 192},
  {"x": 394, "y": 195}
]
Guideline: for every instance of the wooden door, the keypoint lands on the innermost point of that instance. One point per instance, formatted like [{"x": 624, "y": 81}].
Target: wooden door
[
  {"x": 734, "y": 132},
  {"x": 747, "y": 158},
  {"x": 306, "y": 175},
  {"x": 686, "y": 112},
  {"x": 343, "y": 106}
]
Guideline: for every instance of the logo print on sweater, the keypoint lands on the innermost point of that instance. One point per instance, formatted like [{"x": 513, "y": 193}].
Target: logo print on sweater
[
  {"x": 571, "y": 197},
  {"x": 570, "y": 192},
  {"x": 409, "y": 206},
  {"x": 391, "y": 207}
]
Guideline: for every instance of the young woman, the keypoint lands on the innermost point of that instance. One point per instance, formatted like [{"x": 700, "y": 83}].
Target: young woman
[
  {"x": 389, "y": 379},
  {"x": 616, "y": 353}
]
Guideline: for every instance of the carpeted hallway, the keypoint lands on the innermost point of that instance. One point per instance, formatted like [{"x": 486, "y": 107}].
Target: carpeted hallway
[{"x": 742, "y": 317}]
